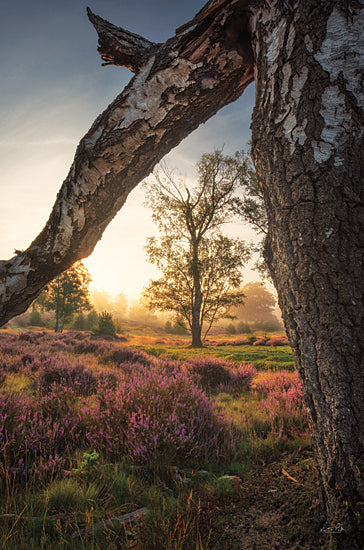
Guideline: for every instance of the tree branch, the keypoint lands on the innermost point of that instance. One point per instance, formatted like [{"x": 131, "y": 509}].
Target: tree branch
[{"x": 118, "y": 46}]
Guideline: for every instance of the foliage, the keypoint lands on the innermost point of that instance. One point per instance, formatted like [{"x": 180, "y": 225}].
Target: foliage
[
  {"x": 243, "y": 328},
  {"x": 258, "y": 307},
  {"x": 230, "y": 329},
  {"x": 80, "y": 322},
  {"x": 105, "y": 326},
  {"x": 92, "y": 319},
  {"x": 66, "y": 294},
  {"x": 250, "y": 208},
  {"x": 201, "y": 267},
  {"x": 178, "y": 327},
  {"x": 219, "y": 375},
  {"x": 35, "y": 319}
]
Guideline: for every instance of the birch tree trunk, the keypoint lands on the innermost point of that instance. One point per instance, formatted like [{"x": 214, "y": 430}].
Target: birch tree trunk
[{"x": 308, "y": 150}]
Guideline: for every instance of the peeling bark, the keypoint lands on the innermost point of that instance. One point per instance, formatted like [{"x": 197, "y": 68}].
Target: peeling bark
[
  {"x": 308, "y": 150},
  {"x": 177, "y": 86}
]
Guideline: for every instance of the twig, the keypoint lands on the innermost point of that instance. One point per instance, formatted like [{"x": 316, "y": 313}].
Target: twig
[{"x": 290, "y": 477}]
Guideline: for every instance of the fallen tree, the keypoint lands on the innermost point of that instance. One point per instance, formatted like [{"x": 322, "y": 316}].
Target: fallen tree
[{"x": 307, "y": 148}]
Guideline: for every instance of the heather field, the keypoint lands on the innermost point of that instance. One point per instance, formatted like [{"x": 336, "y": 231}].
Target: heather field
[{"x": 107, "y": 443}]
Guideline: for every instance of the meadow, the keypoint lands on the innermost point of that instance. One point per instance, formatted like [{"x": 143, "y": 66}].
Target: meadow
[{"x": 107, "y": 443}]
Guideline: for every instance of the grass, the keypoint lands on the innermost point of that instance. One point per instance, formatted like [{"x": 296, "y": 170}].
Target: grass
[
  {"x": 243, "y": 501},
  {"x": 262, "y": 357}
]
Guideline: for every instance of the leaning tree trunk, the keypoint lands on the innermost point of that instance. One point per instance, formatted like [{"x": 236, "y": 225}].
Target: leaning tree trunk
[
  {"x": 308, "y": 150},
  {"x": 178, "y": 85}
]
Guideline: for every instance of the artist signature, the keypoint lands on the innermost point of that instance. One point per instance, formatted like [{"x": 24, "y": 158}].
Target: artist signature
[{"x": 337, "y": 529}]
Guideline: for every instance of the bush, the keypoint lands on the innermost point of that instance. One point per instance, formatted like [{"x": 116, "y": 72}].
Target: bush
[
  {"x": 155, "y": 420},
  {"x": 178, "y": 327},
  {"x": 92, "y": 319},
  {"x": 260, "y": 342},
  {"x": 218, "y": 374},
  {"x": 230, "y": 329},
  {"x": 271, "y": 326},
  {"x": 282, "y": 401},
  {"x": 244, "y": 328},
  {"x": 35, "y": 319},
  {"x": 61, "y": 373},
  {"x": 80, "y": 322},
  {"x": 278, "y": 341},
  {"x": 105, "y": 325}
]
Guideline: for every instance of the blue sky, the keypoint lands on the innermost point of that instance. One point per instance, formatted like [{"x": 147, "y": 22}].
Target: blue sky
[{"x": 52, "y": 87}]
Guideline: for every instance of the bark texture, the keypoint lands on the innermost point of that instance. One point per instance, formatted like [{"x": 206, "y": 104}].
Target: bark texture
[
  {"x": 308, "y": 150},
  {"x": 177, "y": 86}
]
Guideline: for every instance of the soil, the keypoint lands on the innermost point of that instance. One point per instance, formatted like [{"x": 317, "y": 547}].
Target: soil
[{"x": 270, "y": 511}]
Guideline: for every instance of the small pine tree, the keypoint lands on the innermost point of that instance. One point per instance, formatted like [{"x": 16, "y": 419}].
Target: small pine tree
[
  {"x": 80, "y": 322},
  {"x": 105, "y": 325},
  {"x": 35, "y": 319},
  {"x": 92, "y": 320}
]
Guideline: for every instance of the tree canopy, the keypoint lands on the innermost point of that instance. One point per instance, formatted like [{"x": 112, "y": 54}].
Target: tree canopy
[
  {"x": 200, "y": 266},
  {"x": 67, "y": 294}
]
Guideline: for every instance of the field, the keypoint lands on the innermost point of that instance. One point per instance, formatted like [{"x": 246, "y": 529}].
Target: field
[{"x": 201, "y": 449}]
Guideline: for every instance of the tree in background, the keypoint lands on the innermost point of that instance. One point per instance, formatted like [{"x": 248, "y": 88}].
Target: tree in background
[
  {"x": 201, "y": 267},
  {"x": 67, "y": 294},
  {"x": 92, "y": 319},
  {"x": 35, "y": 319},
  {"x": 120, "y": 305},
  {"x": 258, "y": 308},
  {"x": 103, "y": 301}
]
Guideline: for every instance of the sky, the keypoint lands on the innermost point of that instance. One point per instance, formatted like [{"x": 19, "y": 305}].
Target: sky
[{"x": 52, "y": 87}]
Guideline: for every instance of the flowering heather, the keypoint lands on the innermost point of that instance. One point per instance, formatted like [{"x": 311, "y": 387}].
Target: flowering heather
[
  {"x": 218, "y": 374},
  {"x": 242, "y": 341},
  {"x": 63, "y": 372},
  {"x": 282, "y": 400},
  {"x": 153, "y": 418},
  {"x": 260, "y": 342},
  {"x": 145, "y": 409},
  {"x": 31, "y": 439},
  {"x": 278, "y": 341},
  {"x": 276, "y": 381}
]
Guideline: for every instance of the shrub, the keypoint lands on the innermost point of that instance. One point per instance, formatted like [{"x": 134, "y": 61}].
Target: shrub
[
  {"x": 60, "y": 372},
  {"x": 260, "y": 342},
  {"x": 244, "y": 328},
  {"x": 271, "y": 326},
  {"x": 35, "y": 319},
  {"x": 105, "y": 325},
  {"x": 92, "y": 319},
  {"x": 80, "y": 322},
  {"x": 282, "y": 401},
  {"x": 230, "y": 329},
  {"x": 218, "y": 374},
  {"x": 278, "y": 341},
  {"x": 154, "y": 419},
  {"x": 33, "y": 438}
]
